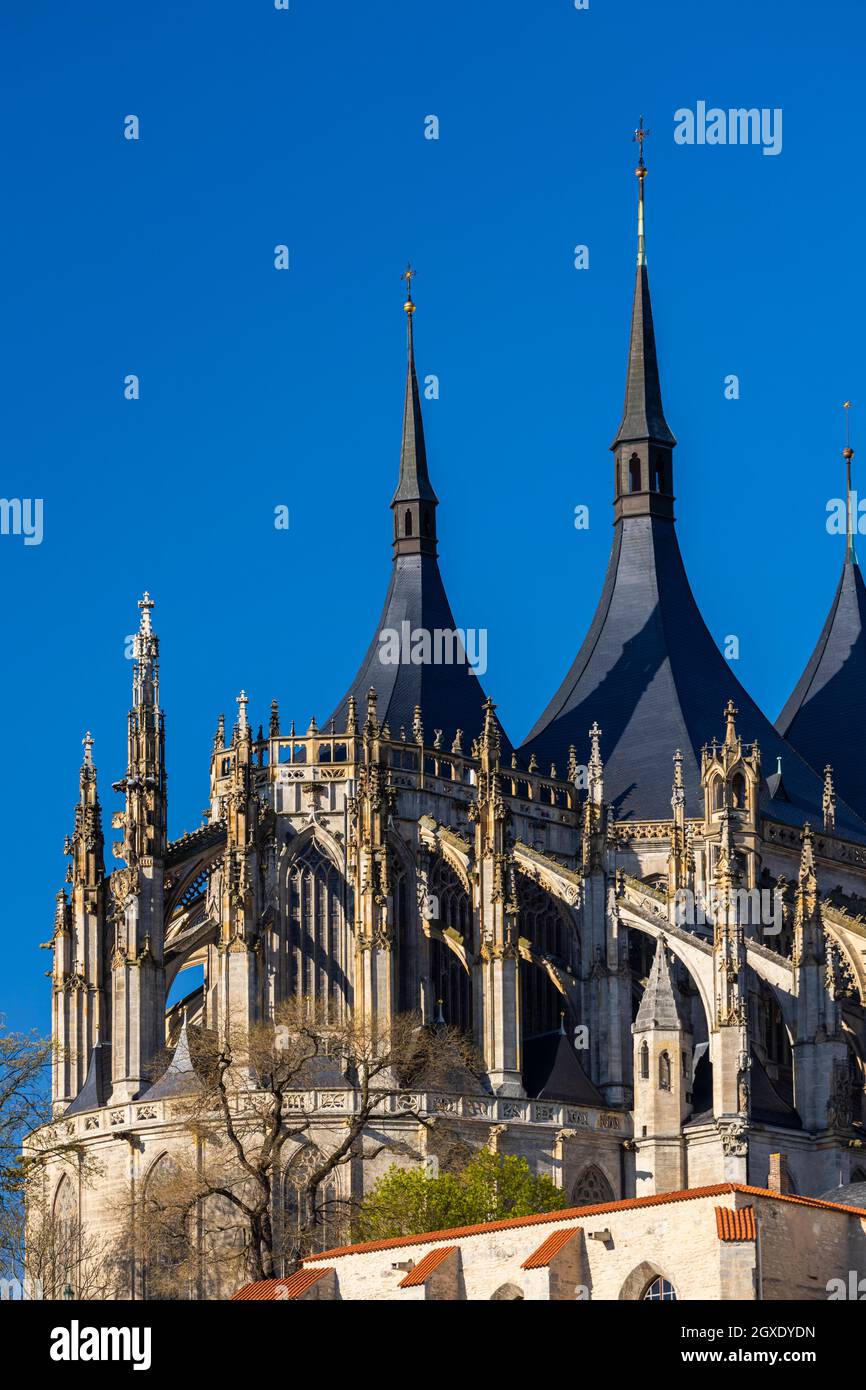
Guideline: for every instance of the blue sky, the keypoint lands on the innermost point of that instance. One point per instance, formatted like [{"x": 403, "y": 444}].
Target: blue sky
[{"x": 261, "y": 388}]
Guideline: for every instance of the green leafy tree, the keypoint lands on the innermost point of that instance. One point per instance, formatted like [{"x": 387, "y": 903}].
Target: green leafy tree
[{"x": 490, "y": 1187}]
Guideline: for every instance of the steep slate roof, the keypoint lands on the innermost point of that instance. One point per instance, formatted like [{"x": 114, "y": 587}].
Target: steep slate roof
[
  {"x": 97, "y": 1083},
  {"x": 825, "y": 715},
  {"x": 449, "y": 695},
  {"x": 661, "y": 1005},
  {"x": 552, "y": 1071},
  {"x": 649, "y": 672}
]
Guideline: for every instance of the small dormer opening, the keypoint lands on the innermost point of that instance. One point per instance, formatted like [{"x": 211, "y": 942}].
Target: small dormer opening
[{"x": 634, "y": 473}]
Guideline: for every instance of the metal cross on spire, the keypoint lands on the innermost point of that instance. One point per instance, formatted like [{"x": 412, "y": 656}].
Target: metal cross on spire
[{"x": 640, "y": 135}]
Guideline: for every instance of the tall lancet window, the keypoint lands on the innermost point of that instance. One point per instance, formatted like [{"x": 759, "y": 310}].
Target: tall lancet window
[
  {"x": 316, "y": 946},
  {"x": 448, "y": 976},
  {"x": 634, "y": 474},
  {"x": 644, "y": 1062},
  {"x": 407, "y": 525}
]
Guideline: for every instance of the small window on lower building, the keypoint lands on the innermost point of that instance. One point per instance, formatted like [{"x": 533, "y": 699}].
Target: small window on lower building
[{"x": 660, "y": 1291}]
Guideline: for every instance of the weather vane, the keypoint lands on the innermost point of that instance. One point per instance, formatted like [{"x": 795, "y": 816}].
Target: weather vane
[
  {"x": 407, "y": 275},
  {"x": 640, "y": 135}
]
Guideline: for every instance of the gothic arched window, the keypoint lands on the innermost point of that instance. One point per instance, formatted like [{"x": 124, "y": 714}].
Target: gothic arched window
[
  {"x": 738, "y": 792},
  {"x": 544, "y": 925},
  {"x": 660, "y": 1291},
  {"x": 63, "y": 1251},
  {"x": 448, "y": 977},
  {"x": 591, "y": 1189},
  {"x": 311, "y": 1222},
  {"x": 644, "y": 1062},
  {"x": 165, "y": 1233},
  {"x": 718, "y": 794},
  {"x": 665, "y": 1071},
  {"x": 316, "y": 948},
  {"x": 634, "y": 474}
]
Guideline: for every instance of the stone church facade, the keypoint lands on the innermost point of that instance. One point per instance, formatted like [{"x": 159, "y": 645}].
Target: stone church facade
[{"x": 649, "y": 915}]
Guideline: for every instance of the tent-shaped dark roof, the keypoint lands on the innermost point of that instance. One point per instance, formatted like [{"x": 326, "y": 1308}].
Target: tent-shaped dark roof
[
  {"x": 552, "y": 1071},
  {"x": 447, "y": 691},
  {"x": 648, "y": 672},
  {"x": 97, "y": 1084},
  {"x": 825, "y": 716}
]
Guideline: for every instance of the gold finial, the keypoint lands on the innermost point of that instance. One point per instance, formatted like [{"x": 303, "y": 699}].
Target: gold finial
[
  {"x": 408, "y": 275},
  {"x": 640, "y": 135}
]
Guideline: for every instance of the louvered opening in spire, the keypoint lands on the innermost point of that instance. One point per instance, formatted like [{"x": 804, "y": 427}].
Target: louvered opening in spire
[
  {"x": 414, "y": 503},
  {"x": 644, "y": 443}
]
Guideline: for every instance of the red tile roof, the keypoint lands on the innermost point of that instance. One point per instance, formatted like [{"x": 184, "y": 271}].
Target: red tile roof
[
  {"x": 735, "y": 1223},
  {"x": 424, "y": 1268},
  {"x": 282, "y": 1290},
  {"x": 541, "y": 1258},
  {"x": 570, "y": 1213}
]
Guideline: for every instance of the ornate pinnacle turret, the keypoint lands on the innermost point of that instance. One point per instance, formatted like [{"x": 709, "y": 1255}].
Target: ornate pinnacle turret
[
  {"x": 596, "y": 767},
  {"x": 371, "y": 726},
  {"x": 727, "y": 872},
  {"x": 352, "y": 718},
  {"x": 219, "y": 738},
  {"x": 490, "y": 742},
  {"x": 829, "y": 799},
  {"x": 417, "y": 725},
  {"x": 274, "y": 725},
  {"x": 678, "y": 795},
  {"x": 731, "y": 712},
  {"x": 243, "y": 724}
]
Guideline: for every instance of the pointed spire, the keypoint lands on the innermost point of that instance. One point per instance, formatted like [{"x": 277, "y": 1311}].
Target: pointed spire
[
  {"x": 643, "y": 415},
  {"x": 662, "y": 1004},
  {"x": 848, "y": 455},
  {"x": 414, "y": 503},
  {"x": 145, "y": 682}
]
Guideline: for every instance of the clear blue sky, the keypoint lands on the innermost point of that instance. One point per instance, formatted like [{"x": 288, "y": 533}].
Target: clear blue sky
[{"x": 261, "y": 388}]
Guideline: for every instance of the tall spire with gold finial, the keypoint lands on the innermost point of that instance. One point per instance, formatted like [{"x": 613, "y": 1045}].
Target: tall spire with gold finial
[
  {"x": 414, "y": 503},
  {"x": 825, "y": 715},
  {"x": 644, "y": 442},
  {"x": 848, "y": 455}
]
